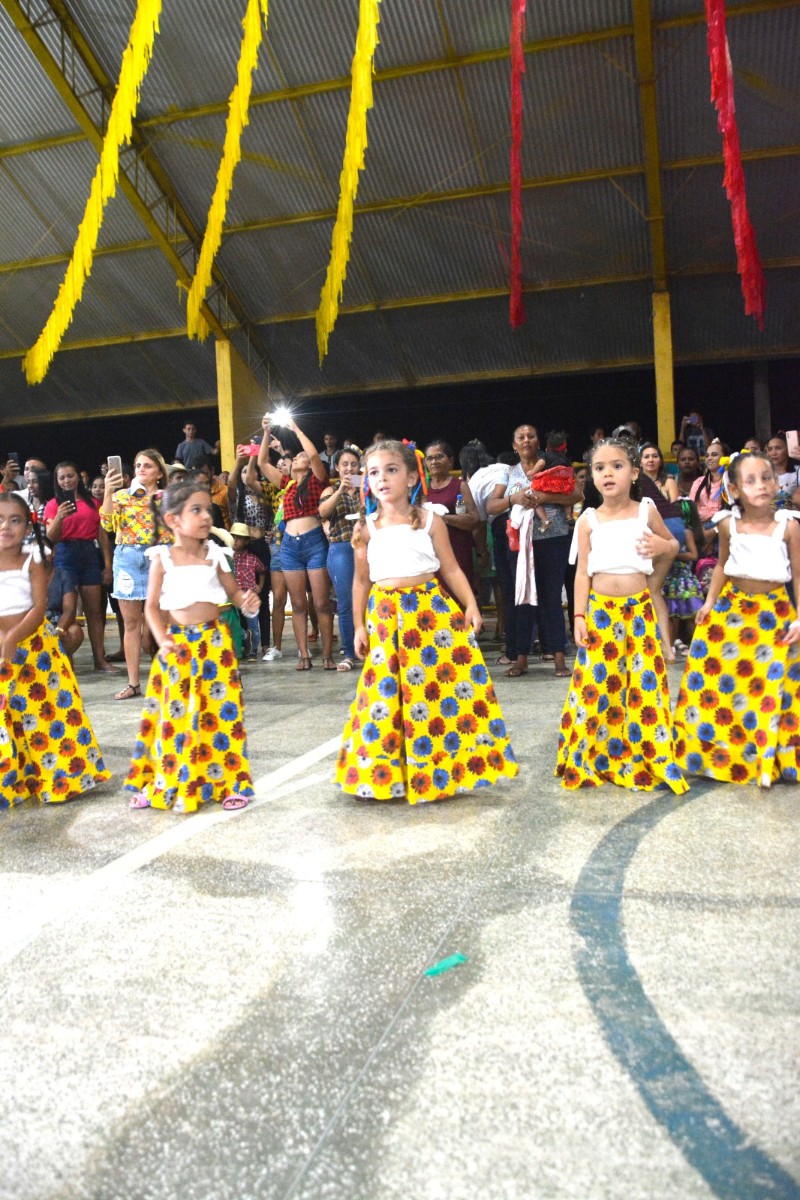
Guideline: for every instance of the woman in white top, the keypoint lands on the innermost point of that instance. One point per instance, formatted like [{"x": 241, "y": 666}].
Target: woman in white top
[
  {"x": 192, "y": 744},
  {"x": 425, "y": 722},
  {"x": 738, "y": 712},
  {"x": 787, "y": 471},
  {"x": 615, "y": 726}
]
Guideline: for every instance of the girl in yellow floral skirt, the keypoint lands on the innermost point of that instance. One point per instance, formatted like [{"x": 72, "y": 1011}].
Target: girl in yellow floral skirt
[
  {"x": 616, "y": 724},
  {"x": 738, "y": 712},
  {"x": 425, "y": 723},
  {"x": 192, "y": 743},
  {"x": 47, "y": 747}
]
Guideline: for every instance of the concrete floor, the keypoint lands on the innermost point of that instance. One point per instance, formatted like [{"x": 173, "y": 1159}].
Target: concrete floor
[{"x": 235, "y": 1005}]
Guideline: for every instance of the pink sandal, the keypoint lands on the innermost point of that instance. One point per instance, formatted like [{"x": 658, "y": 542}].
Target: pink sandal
[
  {"x": 235, "y": 803},
  {"x": 140, "y": 800}
]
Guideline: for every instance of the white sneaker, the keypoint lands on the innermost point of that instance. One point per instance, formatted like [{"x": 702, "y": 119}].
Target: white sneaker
[{"x": 272, "y": 654}]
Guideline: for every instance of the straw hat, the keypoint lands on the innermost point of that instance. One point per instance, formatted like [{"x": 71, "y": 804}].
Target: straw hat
[
  {"x": 239, "y": 529},
  {"x": 223, "y": 535}
]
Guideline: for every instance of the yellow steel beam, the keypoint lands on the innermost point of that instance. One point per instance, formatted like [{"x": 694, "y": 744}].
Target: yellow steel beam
[
  {"x": 663, "y": 362},
  {"x": 343, "y": 82},
  {"x": 743, "y": 354},
  {"x": 401, "y": 302},
  {"x": 80, "y": 114},
  {"x": 420, "y": 200}
]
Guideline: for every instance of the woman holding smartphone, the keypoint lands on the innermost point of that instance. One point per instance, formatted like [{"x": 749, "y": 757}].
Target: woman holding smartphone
[
  {"x": 73, "y": 526},
  {"x": 129, "y": 514},
  {"x": 336, "y": 504}
]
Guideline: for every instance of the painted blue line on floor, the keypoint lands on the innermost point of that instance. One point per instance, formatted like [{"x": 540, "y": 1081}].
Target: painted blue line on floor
[{"x": 669, "y": 1085}]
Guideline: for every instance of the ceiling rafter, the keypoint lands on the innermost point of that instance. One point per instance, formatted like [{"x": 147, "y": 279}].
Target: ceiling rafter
[
  {"x": 161, "y": 211},
  {"x": 423, "y": 301},
  {"x": 423, "y": 199},
  {"x": 406, "y": 70}
]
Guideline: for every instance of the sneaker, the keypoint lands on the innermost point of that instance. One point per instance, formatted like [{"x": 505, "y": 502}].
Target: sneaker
[{"x": 272, "y": 654}]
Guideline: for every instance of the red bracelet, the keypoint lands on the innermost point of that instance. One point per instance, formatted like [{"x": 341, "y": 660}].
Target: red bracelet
[{"x": 581, "y": 615}]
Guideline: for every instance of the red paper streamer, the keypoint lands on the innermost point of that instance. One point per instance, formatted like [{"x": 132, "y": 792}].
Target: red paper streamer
[
  {"x": 516, "y": 306},
  {"x": 748, "y": 261}
]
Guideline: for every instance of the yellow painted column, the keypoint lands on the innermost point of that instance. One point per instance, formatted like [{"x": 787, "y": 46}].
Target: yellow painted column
[
  {"x": 662, "y": 354},
  {"x": 241, "y": 401}
]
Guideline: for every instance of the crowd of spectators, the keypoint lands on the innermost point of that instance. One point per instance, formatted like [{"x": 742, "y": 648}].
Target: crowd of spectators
[{"x": 286, "y": 511}]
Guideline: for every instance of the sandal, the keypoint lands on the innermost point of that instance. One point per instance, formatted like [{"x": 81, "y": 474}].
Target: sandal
[
  {"x": 328, "y": 664},
  {"x": 140, "y": 800},
  {"x": 129, "y": 692},
  {"x": 504, "y": 661},
  {"x": 563, "y": 673},
  {"x": 515, "y": 672},
  {"x": 106, "y": 668},
  {"x": 345, "y": 665},
  {"x": 234, "y": 803},
  {"x": 314, "y": 635},
  {"x": 303, "y": 664}
]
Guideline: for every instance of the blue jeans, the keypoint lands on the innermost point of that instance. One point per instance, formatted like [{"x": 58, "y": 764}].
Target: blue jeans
[{"x": 341, "y": 568}]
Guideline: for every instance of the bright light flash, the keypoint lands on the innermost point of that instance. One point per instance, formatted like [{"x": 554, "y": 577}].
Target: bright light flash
[{"x": 281, "y": 415}]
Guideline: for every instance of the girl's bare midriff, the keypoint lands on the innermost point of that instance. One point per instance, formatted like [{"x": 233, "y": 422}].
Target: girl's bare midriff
[
  {"x": 406, "y": 582},
  {"x": 754, "y": 586},
  {"x": 606, "y": 584},
  {"x": 298, "y": 525},
  {"x": 195, "y": 614}
]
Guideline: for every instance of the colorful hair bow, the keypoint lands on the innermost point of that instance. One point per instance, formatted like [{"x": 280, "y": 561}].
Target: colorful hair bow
[{"x": 422, "y": 484}]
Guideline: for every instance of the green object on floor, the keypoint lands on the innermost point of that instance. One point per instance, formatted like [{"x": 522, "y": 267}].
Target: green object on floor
[{"x": 446, "y": 964}]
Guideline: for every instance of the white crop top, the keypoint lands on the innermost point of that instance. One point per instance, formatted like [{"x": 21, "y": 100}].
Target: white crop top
[
  {"x": 613, "y": 543},
  {"x": 400, "y": 552},
  {"x": 16, "y": 593},
  {"x": 184, "y": 586},
  {"x": 758, "y": 555}
]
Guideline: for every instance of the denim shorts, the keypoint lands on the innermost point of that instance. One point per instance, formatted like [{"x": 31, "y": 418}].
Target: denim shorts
[
  {"x": 80, "y": 563},
  {"x": 131, "y": 570},
  {"x": 305, "y": 551}
]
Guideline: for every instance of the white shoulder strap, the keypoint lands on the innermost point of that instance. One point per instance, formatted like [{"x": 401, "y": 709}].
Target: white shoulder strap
[
  {"x": 161, "y": 553},
  {"x": 429, "y": 520}
]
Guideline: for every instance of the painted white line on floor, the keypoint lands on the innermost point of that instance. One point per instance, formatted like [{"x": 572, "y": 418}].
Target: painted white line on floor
[{"x": 63, "y": 900}]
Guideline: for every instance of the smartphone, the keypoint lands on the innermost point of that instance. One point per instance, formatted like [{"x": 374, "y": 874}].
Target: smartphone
[
  {"x": 115, "y": 463},
  {"x": 356, "y": 481},
  {"x": 13, "y": 456},
  {"x": 71, "y": 497}
]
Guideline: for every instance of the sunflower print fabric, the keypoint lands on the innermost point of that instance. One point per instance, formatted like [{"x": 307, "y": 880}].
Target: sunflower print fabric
[
  {"x": 425, "y": 723},
  {"x": 616, "y": 724},
  {"x": 738, "y": 713},
  {"x": 192, "y": 743},
  {"x": 48, "y": 749}
]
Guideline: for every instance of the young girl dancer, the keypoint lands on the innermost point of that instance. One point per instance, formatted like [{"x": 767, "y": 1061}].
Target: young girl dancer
[
  {"x": 616, "y": 722},
  {"x": 47, "y": 746},
  {"x": 738, "y": 711},
  {"x": 192, "y": 743},
  {"x": 425, "y": 722}
]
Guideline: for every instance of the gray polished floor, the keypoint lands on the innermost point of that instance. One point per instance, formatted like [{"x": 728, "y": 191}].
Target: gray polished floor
[{"x": 235, "y": 1005}]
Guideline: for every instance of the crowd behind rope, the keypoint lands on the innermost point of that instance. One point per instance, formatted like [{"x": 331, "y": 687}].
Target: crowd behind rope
[{"x": 186, "y": 557}]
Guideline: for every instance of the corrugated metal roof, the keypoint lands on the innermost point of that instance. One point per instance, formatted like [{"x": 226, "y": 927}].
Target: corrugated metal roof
[{"x": 435, "y": 132}]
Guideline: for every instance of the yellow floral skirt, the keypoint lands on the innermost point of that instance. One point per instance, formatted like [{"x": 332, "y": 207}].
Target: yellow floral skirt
[
  {"x": 192, "y": 743},
  {"x": 616, "y": 724},
  {"x": 425, "y": 723},
  {"x": 738, "y": 712},
  {"x": 47, "y": 745}
]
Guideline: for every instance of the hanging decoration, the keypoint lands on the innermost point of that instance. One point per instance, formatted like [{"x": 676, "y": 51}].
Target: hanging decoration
[
  {"x": 353, "y": 162},
  {"x": 748, "y": 261},
  {"x": 135, "y": 61},
  {"x": 238, "y": 117},
  {"x": 516, "y": 305}
]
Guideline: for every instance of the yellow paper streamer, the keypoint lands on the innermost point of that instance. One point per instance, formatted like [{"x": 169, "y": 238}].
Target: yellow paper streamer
[
  {"x": 238, "y": 117},
  {"x": 135, "y": 61},
  {"x": 353, "y": 162}
]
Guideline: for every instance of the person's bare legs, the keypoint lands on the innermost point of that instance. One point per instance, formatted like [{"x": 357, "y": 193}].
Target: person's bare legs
[
  {"x": 321, "y": 594},
  {"x": 312, "y": 614},
  {"x": 92, "y": 598},
  {"x": 132, "y": 614},
  {"x": 655, "y": 583},
  {"x": 277, "y": 581},
  {"x": 296, "y": 583}
]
